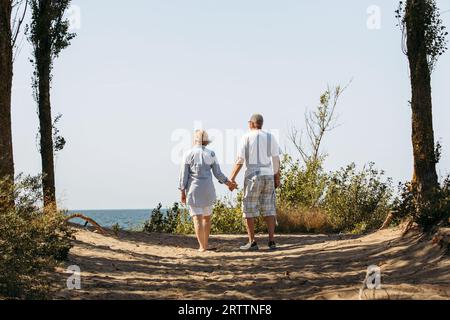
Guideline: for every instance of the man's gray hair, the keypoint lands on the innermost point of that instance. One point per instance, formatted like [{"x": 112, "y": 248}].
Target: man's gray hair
[{"x": 258, "y": 119}]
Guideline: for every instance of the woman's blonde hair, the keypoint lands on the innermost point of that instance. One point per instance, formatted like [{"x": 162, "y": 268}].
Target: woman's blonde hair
[{"x": 201, "y": 137}]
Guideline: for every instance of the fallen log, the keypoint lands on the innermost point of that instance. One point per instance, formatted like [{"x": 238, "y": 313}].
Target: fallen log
[{"x": 88, "y": 220}]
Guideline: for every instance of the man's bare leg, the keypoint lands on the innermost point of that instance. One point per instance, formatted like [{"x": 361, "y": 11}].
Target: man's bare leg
[
  {"x": 271, "y": 222},
  {"x": 251, "y": 229}
]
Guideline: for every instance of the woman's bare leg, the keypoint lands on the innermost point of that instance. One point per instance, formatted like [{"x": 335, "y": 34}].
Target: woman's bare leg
[
  {"x": 199, "y": 232},
  {"x": 207, "y": 231}
]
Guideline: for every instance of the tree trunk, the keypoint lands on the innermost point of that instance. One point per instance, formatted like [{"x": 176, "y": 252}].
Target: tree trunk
[
  {"x": 6, "y": 74},
  {"x": 425, "y": 179},
  {"x": 46, "y": 132},
  {"x": 44, "y": 65}
]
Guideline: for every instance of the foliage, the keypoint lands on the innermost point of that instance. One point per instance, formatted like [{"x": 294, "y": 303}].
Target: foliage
[
  {"x": 116, "y": 229},
  {"x": 227, "y": 219},
  {"x": 173, "y": 220},
  {"x": 429, "y": 216},
  {"x": 304, "y": 185},
  {"x": 347, "y": 200},
  {"x": 48, "y": 33},
  {"x": 59, "y": 141},
  {"x": 318, "y": 122},
  {"x": 48, "y": 19},
  {"x": 31, "y": 241},
  {"x": 358, "y": 201},
  {"x": 185, "y": 224},
  {"x": 156, "y": 222},
  {"x": 435, "y": 32},
  {"x": 309, "y": 200}
]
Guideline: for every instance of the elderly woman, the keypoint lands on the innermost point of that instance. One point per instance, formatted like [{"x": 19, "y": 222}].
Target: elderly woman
[{"x": 197, "y": 187}]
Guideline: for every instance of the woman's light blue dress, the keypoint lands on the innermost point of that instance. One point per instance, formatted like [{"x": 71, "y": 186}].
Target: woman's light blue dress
[{"x": 197, "y": 169}]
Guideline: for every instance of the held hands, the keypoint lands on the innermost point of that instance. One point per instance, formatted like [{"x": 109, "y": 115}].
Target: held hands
[{"x": 232, "y": 185}]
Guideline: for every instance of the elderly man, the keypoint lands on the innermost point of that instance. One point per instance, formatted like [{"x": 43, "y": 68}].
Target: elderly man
[{"x": 260, "y": 153}]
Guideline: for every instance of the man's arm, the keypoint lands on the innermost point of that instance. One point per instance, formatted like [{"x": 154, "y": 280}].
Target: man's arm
[
  {"x": 276, "y": 169},
  {"x": 276, "y": 163},
  {"x": 237, "y": 168},
  {"x": 240, "y": 161}
]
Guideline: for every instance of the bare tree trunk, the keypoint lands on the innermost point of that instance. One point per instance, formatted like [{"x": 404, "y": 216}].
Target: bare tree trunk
[
  {"x": 6, "y": 74},
  {"x": 44, "y": 65},
  {"x": 425, "y": 178},
  {"x": 46, "y": 133}
]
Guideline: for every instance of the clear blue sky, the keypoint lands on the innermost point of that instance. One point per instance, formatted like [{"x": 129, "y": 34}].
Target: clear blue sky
[{"x": 141, "y": 70}]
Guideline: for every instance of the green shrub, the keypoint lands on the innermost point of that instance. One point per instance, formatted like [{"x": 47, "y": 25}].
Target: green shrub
[
  {"x": 156, "y": 222},
  {"x": 173, "y": 220},
  {"x": 303, "y": 185},
  {"x": 227, "y": 219},
  {"x": 227, "y": 216},
  {"x": 358, "y": 201},
  {"x": 434, "y": 213},
  {"x": 116, "y": 229},
  {"x": 311, "y": 200},
  {"x": 185, "y": 224},
  {"x": 31, "y": 242}
]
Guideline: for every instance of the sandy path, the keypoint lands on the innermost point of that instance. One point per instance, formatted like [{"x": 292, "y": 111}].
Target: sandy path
[{"x": 142, "y": 266}]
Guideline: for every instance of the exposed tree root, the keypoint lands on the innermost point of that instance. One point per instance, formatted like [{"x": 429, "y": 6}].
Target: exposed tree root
[
  {"x": 388, "y": 220},
  {"x": 442, "y": 239},
  {"x": 88, "y": 220},
  {"x": 408, "y": 227}
]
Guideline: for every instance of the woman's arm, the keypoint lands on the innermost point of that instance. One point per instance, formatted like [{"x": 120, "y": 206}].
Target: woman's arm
[
  {"x": 183, "y": 197},
  {"x": 184, "y": 179},
  {"x": 184, "y": 175},
  {"x": 218, "y": 172}
]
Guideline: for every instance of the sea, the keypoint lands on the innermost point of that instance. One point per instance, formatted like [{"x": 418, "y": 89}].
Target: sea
[{"x": 127, "y": 219}]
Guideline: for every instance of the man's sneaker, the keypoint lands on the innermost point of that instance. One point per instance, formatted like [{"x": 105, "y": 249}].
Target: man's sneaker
[
  {"x": 272, "y": 245},
  {"x": 250, "y": 247}
]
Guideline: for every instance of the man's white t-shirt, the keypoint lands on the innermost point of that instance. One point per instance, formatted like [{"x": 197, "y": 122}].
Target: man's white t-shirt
[{"x": 256, "y": 151}]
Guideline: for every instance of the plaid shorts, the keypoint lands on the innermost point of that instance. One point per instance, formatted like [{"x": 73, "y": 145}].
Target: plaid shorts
[{"x": 259, "y": 197}]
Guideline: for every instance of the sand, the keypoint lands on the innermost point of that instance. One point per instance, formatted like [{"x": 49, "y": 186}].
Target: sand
[{"x": 157, "y": 266}]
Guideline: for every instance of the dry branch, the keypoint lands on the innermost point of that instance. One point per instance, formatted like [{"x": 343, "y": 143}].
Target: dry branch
[
  {"x": 388, "y": 220},
  {"x": 87, "y": 219}
]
